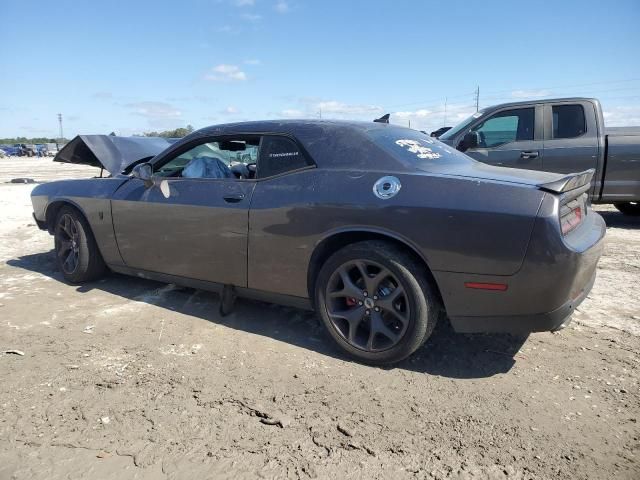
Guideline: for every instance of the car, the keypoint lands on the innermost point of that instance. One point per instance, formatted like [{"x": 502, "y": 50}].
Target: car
[
  {"x": 382, "y": 230},
  {"x": 51, "y": 149},
  {"x": 10, "y": 150}
]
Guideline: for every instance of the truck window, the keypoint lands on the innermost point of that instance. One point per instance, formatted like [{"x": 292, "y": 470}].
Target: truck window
[
  {"x": 568, "y": 121},
  {"x": 508, "y": 126}
]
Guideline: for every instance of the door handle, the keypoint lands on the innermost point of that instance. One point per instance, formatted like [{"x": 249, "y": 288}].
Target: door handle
[
  {"x": 529, "y": 154},
  {"x": 234, "y": 197}
]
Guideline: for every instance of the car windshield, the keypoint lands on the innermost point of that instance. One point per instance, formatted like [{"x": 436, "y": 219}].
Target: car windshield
[
  {"x": 461, "y": 126},
  {"x": 416, "y": 148}
]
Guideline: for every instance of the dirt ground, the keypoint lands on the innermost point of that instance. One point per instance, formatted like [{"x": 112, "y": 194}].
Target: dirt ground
[{"x": 126, "y": 378}]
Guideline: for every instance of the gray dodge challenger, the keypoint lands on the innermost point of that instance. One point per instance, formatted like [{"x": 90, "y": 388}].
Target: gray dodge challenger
[{"x": 381, "y": 229}]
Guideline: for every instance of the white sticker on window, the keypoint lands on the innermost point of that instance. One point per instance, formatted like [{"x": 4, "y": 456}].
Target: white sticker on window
[{"x": 414, "y": 146}]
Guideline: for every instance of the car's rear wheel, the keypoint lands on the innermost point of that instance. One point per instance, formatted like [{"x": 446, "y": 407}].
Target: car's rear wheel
[
  {"x": 77, "y": 254},
  {"x": 628, "y": 208},
  {"x": 376, "y": 302}
]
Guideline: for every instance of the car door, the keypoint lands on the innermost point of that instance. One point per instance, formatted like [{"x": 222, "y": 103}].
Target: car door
[
  {"x": 281, "y": 232},
  {"x": 570, "y": 137},
  {"x": 192, "y": 221},
  {"x": 510, "y": 138}
]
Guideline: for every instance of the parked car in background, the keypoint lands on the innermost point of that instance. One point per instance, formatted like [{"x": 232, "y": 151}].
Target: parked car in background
[
  {"x": 560, "y": 135},
  {"x": 51, "y": 149},
  {"x": 21, "y": 148},
  {"x": 379, "y": 228},
  {"x": 11, "y": 150},
  {"x": 440, "y": 131},
  {"x": 41, "y": 149}
]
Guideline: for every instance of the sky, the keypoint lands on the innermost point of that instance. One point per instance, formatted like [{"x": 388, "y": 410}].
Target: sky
[{"x": 139, "y": 66}]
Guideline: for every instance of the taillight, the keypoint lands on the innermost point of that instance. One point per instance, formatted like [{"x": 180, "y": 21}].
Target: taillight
[{"x": 572, "y": 213}]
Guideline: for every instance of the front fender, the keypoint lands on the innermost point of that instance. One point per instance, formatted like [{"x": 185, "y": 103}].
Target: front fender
[{"x": 92, "y": 197}]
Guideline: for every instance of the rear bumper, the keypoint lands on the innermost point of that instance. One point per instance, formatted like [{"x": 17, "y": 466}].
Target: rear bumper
[
  {"x": 543, "y": 322},
  {"x": 556, "y": 276}
]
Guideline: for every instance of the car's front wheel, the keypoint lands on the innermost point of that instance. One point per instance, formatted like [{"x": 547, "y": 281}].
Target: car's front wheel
[
  {"x": 628, "y": 208},
  {"x": 376, "y": 302},
  {"x": 77, "y": 254}
]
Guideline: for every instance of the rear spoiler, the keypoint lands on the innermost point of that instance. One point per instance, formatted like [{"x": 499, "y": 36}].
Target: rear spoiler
[{"x": 569, "y": 182}]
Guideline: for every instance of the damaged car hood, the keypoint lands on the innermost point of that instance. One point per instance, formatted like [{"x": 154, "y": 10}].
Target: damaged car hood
[{"x": 112, "y": 153}]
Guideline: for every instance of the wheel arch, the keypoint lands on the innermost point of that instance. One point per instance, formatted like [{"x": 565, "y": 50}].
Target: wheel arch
[
  {"x": 54, "y": 207},
  {"x": 336, "y": 240}
]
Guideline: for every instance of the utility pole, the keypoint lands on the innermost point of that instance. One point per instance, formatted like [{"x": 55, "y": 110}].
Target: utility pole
[
  {"x": 60, "y": 122},
  {"x": 444, "y": 122},
  {"x": 477, "y": 98},
  {"x": 320, "y": 112}
]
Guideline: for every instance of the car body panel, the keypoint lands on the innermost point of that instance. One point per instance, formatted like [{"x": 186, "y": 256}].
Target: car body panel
[
  {"x": 184, "y": 227},
  {"x": 110, "y": 152},
  {"x": 93, "y": 198},
  {"x": 282, "y": 237},
  {"x": 465, "y": 220}
]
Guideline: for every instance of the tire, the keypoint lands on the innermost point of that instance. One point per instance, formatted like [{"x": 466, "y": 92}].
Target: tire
[
  {"x": 77, "y": 254},
  {"x": 389, "y": 323},
  {"x": 629, "y": 208}
]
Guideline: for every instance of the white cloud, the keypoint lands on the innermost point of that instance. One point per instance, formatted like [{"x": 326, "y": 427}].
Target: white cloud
[
  {"x": 292, "y": 113},
  {"x": 340, "y": 109},
  {"x": 252, "y": 61},
  {"x": 155, "y": 110},
  {"x": 226, "y": 29},
  {"x": 530, "y": 93},
  {"x": 103, "y": 95},
  {"x": 230, "y": 110},
  {"x": 226, "y": 73},
  {"x": 281, "y": 6},
  {"x": 433, "y": 118},
  {"x": 622, "y": 116},
  {"x": 158, "y": 114},
  {"x": 251, "y": 17}
]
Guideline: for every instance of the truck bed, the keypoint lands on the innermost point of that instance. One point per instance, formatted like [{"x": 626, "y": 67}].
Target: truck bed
[{"x": 622, "y": 165}]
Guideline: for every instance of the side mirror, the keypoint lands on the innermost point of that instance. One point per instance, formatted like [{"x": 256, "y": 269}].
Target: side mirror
[
  {"x": 470, "y": 140},
  {"x": 143, "y": 172}
]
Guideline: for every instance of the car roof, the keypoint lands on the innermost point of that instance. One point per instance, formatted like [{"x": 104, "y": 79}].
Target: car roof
[
  {"x": 289, "y": 125},
  {"x": 331, "y": 143}
]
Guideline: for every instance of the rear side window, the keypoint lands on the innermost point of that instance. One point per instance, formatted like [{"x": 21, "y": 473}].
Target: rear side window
[
  {"x": 280, "y": 155},
  {"x": 415, "y": 148},
  {"x": 568, "y": 121}
]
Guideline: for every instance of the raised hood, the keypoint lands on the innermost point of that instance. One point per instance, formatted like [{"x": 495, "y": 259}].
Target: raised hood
[{"x": 112, "y": 153}]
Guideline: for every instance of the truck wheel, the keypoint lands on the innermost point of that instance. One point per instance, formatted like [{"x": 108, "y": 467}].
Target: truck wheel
[
  {"x": 376, "y": 302},
  {"x": 628, "y": 208},
  {"x": 77, "y": 253}
]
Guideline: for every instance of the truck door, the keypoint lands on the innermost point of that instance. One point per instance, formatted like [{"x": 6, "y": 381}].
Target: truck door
[
  {"x": 510, "y": 138},
  {"x": 570, "y": 137}
]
